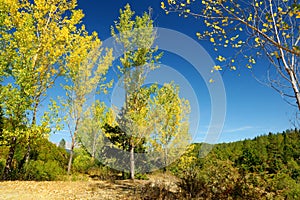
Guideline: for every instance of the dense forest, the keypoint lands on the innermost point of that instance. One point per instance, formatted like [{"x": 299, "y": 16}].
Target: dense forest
[{"x": 265, "y": 167}]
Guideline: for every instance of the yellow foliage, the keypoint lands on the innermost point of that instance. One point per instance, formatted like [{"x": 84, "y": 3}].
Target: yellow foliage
[
  {"x": 217, "y": 68},
  {"x": 221, "y": 58}
]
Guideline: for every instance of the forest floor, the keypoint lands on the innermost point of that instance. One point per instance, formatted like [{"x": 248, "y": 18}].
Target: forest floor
[{"x": 90, "y": 189}]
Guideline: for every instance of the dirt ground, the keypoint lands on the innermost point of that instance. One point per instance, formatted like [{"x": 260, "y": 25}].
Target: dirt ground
[
  {"x": 25, "y": 190},
  {"x": 91, "y": 189}
]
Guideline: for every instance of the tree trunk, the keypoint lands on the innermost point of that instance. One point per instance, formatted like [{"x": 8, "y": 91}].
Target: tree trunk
[
  {"x": 165, "y": 160},
  {"x": 293, "y": 79},
  {"x": 71, "y": 156},
  {"x": 26, "y": 157},
  {"x": 132, "y": 163},
  {"x": 94, "y": 145},
  {"x": 27, "y": 154},
  {"x": 9, "y": 159}
]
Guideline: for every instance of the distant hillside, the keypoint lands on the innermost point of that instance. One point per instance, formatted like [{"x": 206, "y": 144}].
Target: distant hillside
[{"x": 266, "y": 167}]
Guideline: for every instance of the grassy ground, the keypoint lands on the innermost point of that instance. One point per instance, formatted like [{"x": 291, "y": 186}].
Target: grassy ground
[{"x": 90, "y": 189}]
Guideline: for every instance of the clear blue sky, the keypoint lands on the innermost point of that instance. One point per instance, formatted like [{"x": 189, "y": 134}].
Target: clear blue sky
[{"x": 252, "y": 109}]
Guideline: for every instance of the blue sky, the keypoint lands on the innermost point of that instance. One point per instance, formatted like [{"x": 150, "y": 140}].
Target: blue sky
[{"x": 251, "y": 108}]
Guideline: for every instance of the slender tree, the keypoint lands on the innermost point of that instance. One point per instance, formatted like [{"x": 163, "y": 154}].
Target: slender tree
[
  {"x": 86, "y": 66},
  {"x": 136, "y": 37},
  {"x": 171, "y": 135}
]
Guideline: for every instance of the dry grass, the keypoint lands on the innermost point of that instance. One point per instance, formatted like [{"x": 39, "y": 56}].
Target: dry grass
[{"x": 90, "y": 189}]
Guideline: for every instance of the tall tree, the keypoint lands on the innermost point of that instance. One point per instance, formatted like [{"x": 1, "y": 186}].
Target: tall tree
[
  {"x": 136, "y": 37},
  {"x": 86, "y": 66},
  {"x": 171, "y": 134},
  {"x": 254, "y": 29},
  {"x": 35, "y": 38}
]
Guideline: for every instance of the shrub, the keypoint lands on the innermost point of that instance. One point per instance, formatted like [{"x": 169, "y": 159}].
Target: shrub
[
  {"x": 82, "y": 163},
  {"x": 43, "y": 171},
  {"x": 216, "y": 180}
]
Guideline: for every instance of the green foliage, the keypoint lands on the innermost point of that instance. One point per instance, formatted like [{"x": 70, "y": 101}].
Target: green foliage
[
  {"x": 82, "y": 163},
  {"x": 141, "y": 176},
  {"x": 249, "y": 169},
  {"x": 136, "y": 36},
  {"x": 47, "y": 161},
  {"x": 91, "y": 132},
  {"x": 43, "y": 171},
  {"x": 216, "y": 180},
  {"x": 171, "y": 120}
]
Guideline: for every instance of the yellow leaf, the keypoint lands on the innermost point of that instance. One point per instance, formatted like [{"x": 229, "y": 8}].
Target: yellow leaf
[
  {"x": 249, "y": 18},
  {"x": 211, "y": 80},
  {"x": 233, "y": 68},
  {"x": 162, "y": 5},
  {"x": 218, "y": 11},
  {"x": 221, "y": 58},
  {"x": 217, "y": 68},
  {"x": 212, "y": 40}
]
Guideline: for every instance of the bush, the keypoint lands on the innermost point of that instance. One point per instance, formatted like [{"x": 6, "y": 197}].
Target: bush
[
  {"x": 141, "y": 176},
  {"x": 216, "y": 180},
  {"x": 82, "y": 163},
  {"x": 192, "y": 182},
  {"x": 43, "y": 171}
]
